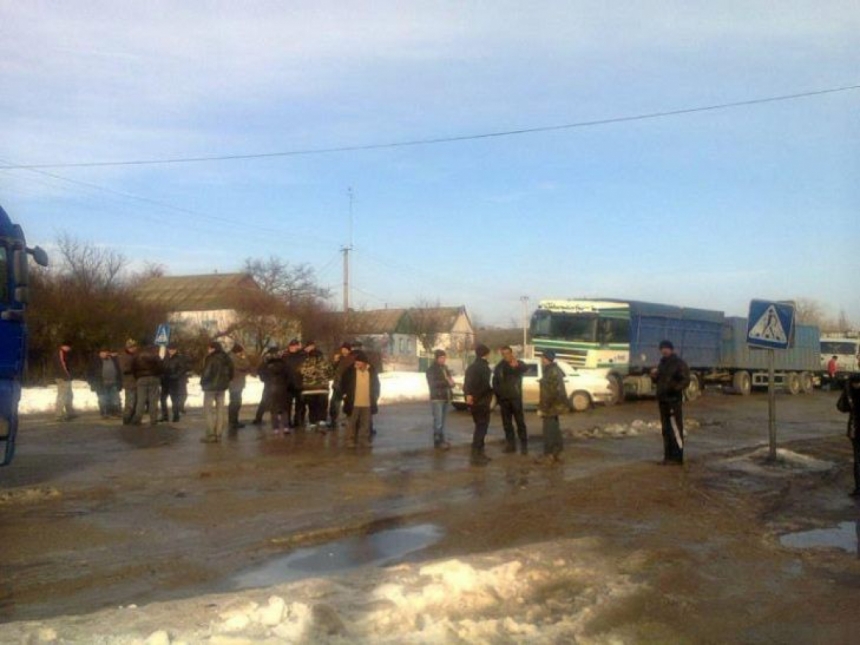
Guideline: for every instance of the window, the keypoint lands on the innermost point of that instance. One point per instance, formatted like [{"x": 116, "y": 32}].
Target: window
[
  {"x": 614, "y": 330},
  {"x": 835, "y": 347},
  {"x": 573, "y": 327}
]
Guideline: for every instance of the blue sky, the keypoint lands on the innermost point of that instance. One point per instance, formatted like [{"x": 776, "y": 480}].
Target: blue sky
[{"x": 708, "y": 209}]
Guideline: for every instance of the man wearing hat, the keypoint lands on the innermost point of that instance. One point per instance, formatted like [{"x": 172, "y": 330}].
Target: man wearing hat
[
  {"x": 479, "y": 397},
  {"x": 293, "y": 360},
  {"x": 553, "y": 403},
  {"x": 129, "y": 383},
  {"x": 671, "y": 376},
  {"x": 440, "y": 383},
  {"x": 360, "y": 402},
  {"x": 341, "y": 362}
]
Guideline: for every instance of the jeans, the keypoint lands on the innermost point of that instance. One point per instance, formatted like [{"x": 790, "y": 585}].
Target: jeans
[
  {"x": 148, "y": 388},
  {"x": 108, "y": 397},
  {"x": 214, "y": 413},
  {"x": 672, "y": 421},
  {"x": 553, "y": 443},
  {"x": 440, "y": 412},
  {"x": 63, "y": 406}
]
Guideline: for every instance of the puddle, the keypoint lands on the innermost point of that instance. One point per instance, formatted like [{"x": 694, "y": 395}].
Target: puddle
[
  {"x": 845, "y": 537},
  {"x": 378, "y": 549}
]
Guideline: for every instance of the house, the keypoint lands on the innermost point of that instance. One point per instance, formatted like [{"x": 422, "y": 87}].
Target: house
[
  {"x": 387, "y": 332},
  {"x": 448, "y": 328},
  {"x": 208, "y": 302}
]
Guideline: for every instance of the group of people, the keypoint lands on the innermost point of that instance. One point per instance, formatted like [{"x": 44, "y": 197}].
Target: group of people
[
  {"x": 504, "y": 384},
  {"x": 296, "y": 386}
]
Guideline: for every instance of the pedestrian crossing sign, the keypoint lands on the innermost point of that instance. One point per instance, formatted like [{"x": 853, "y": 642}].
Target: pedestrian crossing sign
[
  {"x": 162, "y": 334},
  {"x": 770, "y": 324}
]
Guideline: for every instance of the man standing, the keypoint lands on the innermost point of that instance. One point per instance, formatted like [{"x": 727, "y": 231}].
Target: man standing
[
  {"x": 214, "y": 381},
  {"x": 316, "y": 372},
  {"x": 103, "y": 375},
  {"x": 173, "y": 376},
  {"x": 241, "y": 368},
  {"x": 672, "y": 376},
  {"x": 295, "y": 407},
  {"x": 508, "y": 386},
  {"x": 146, "y": 368},
  {"x": 342, "y": 361},
  {"x": 129, "y": 386},
  {"x": 440, "y": 383},
  {"x": 832, "y": 369},
  {"x": 63, "y": 407},
  {"x": 553, "y": 403},
  {"x": 361, "y": 401},
  {"x": 265, "y": 376},
  {"x": 479, "y": 398}
]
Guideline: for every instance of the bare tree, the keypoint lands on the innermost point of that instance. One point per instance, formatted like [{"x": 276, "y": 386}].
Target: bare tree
[
  {"x": 88, "y": 265},
  {"x": 425, "y": 323},
  {"x": 294, "y": 284}
]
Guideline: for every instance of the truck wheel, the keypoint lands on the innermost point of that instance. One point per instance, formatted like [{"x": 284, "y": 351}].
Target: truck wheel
[
  {"x": 807, "y": 384},
  {"x": 580, "y": 401},
  {"x": 742, "y": 383},
  {"x": 792, "y": 383},
  {"x": 694, "y": 389},
  {"x": 616, "y": 389}
]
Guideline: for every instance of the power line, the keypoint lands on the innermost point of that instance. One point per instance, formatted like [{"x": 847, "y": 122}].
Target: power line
[{"x": 440, "y": 140}]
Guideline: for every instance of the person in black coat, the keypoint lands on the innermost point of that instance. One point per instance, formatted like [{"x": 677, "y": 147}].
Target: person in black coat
[
  {"x": 277, "y": 380},
  {"x": 672, "y": 376},
  {"x": 508, "y": 386},
  {"x": 852, "y": 393},
  {"x": 174, "y": 377},
  {"x": 294, "y": 358},
  {"x": 479, "y": 397}
]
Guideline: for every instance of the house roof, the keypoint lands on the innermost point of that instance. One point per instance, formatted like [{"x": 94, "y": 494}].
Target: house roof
[
  {"x": 440, "y": 320},
  {"x": 209, "y": 292},
  {"x": 377, "y": 321}
]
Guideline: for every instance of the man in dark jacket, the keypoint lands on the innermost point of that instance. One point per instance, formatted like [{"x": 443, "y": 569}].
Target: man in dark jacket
[
  {"x": 241, "y": 369},
  {"x": 508, "y": 386},
  {"x": 341, "y": 362},
  {"x": 146, "y": 368},
  {"x": 104, "y": 378},
  {"x": 479, "y": 398},
  {"x": 214, "y": 381},
  {"x": 361, "y": 401},
  {"x": 129, "y": 386},
  {"x": 174, "y": 375},
  {"x": 440, "y": 383},
  {"x": 295, "y": 406},
  {"x": 63, "y": 407},
  {"x": 264, "y": 375},
  {"x": 672, "y": 376}
]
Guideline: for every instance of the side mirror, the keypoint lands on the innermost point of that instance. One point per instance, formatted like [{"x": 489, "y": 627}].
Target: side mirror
[{"x": 39, "y": 255}]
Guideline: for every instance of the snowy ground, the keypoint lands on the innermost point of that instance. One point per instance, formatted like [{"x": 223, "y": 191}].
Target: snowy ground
[
  {"x": 548, "y": 593},
  {"x": 396, "y": 387}
]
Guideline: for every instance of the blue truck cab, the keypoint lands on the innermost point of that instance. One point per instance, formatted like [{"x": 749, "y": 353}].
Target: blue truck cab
[{"x": 14, "y": 295}]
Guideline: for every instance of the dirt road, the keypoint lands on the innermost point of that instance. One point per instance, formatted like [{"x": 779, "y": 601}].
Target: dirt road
[{"x": 93, "y": 515}]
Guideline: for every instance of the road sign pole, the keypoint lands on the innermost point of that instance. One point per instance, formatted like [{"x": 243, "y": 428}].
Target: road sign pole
[{"x": 771, "y": 406}]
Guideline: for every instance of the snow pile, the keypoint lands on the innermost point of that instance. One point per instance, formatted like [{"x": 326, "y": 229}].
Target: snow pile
[
  {"x": 787, "y": 462},
  {"x": 543, "y": 593},
  {"x": 396, "y": 387},
  {"x": 620, "y": 430}
]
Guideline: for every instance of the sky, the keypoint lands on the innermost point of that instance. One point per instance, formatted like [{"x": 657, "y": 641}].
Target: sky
[{"x": 706, "y": 209}]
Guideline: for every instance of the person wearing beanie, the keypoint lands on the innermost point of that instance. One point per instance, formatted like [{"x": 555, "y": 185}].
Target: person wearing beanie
[
  {"x": 553, "y": 403},
  {"x": 672, "y": 376},
  {"x": 316, "y": 372},
  {"x": 361, "y": 401},
  {"x": 341, "y": 362},
  {"x": 129, "y": 383},
  {"x": 241, "y": 369},
  {"x": 479, "y": 397},
  {"x": 440, "y": 383}
]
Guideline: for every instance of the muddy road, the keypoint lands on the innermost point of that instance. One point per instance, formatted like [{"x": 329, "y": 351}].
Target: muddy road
[{"x": 96, "y": 515}]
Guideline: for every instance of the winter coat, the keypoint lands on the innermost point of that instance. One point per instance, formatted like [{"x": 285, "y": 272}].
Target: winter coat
[
  {"x": 146, "y": 363},
  {"x": 340, "y": 366},
  {"x": 854, "y": 417},
  {"x": 241, "y": 369},
  {"x": 348, "y": 386},
  {"x": 508, "y": 380},
  {"x": 316, "y": 372},
  {"x": 217, "y": 372},
  {"x": 553, "y": 395},
  {"x": 673, "y": 377},
  {"x": 95, "y": 372},
  {"x": 477, "y": 383},
  {"x": 439, "y": 382},
  {"x": 294, "y": 362},
  {"x": 277, "y": 378},
  {"x": 175, "y": 368},
  {"x": 126, "y": 362}
]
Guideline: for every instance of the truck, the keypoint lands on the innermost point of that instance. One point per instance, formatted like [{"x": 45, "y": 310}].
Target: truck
[
  {"x": 846, "y": 348},
  {"x": 620, "y": 339},
  {"x": 14, "y": 295}
]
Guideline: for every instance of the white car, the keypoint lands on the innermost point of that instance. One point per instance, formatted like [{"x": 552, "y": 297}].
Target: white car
[{"x": 584, "y": 389}]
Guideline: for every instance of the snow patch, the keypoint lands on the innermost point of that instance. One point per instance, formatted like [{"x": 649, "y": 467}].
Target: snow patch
[
  {"x": 633, "y": 429},
  {"x": 787, "y": 461}
]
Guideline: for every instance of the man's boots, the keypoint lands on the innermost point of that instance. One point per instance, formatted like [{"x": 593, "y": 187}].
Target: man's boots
[{"x": 479, "y": 458}]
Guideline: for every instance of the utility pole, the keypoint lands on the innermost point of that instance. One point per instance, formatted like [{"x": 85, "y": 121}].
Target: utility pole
[
  {"x": 525, "y": 301},
  {"x": 345, "y": 250}
]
